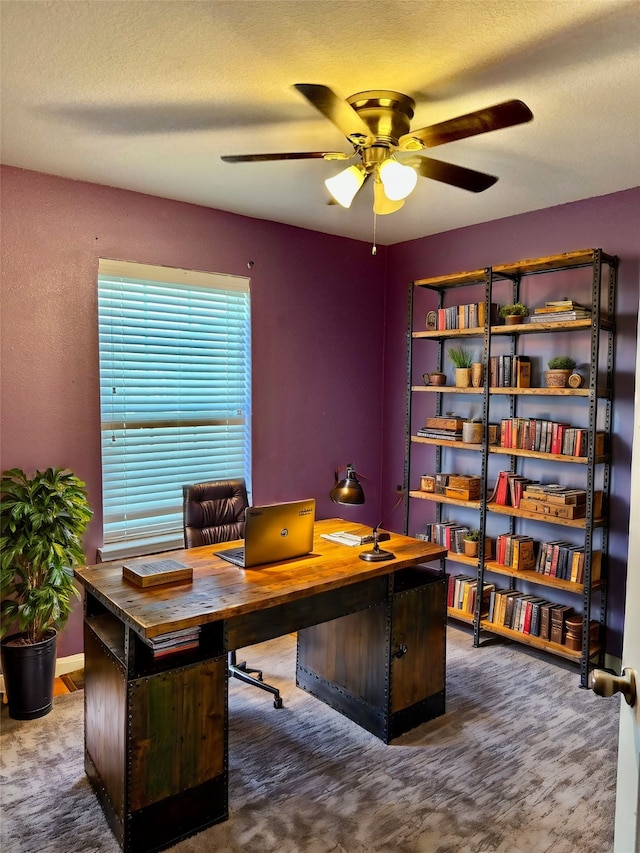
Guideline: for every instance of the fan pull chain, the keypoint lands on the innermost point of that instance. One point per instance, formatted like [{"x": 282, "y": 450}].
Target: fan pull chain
[{"x": 374, "y": 248}]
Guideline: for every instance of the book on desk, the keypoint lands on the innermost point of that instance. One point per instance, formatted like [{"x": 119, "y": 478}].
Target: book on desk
[{"x": 156, "y": 572}]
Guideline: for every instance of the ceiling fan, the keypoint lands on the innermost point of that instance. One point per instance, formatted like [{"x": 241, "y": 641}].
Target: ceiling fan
[{"x": 377, "y": 124}]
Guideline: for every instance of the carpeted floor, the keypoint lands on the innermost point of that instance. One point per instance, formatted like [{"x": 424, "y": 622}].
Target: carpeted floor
[{"x": 524, "y": 761}]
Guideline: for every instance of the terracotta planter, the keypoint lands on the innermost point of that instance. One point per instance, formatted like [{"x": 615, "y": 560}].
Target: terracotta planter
[
  {"x": 463, "y": 377},
  {"x": 472, "y": 432},
  {"x": 556, "y": 378},
  {"x": 470, "y": 548},
  {"x": 513, "y": 319}
]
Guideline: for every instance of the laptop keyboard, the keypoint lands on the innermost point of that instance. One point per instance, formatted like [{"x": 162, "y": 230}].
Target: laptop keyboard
[{"x": 233, "y": 555}]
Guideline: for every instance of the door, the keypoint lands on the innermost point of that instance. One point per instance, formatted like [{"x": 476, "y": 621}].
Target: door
[{"x": 627, "y": 834}]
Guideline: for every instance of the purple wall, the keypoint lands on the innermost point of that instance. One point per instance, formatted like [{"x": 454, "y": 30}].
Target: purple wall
[
  {"x": 327, "y": 336},
  {"x": 316, "y": 395},
  {"x": 609, "y": 222}
]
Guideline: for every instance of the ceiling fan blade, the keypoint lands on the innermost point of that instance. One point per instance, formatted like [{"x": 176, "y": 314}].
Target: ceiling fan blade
[
  {"x": 448, "y": 173},
  {"x": 502, "y": 115},
  {"x": 300, "y": 155},
  {"x": 339, "y": 112}
]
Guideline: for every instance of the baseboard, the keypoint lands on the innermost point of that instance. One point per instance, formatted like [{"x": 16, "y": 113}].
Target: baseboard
[{"x": 63, "y": 665}]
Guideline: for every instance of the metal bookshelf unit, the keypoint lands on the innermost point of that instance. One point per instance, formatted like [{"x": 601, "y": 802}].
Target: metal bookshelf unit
[{"x": 589, "y": 277}]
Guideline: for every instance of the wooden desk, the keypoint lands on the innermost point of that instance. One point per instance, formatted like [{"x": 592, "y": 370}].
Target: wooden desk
[{"x": 371, "y": 643}]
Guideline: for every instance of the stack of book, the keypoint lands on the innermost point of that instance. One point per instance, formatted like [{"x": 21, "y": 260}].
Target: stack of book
[
  {"x": 448, "y": 428},
  {"x": 175, "y": 641},
  {"x": 559, "y": 501},
  {"x": 560, "y": 310}
]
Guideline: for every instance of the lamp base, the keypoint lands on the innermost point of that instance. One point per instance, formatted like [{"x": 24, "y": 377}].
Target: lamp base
[{"x": 376, "y": 555}]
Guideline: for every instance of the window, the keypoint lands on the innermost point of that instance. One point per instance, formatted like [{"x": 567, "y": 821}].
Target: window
[{"x": 175, "y": 395}]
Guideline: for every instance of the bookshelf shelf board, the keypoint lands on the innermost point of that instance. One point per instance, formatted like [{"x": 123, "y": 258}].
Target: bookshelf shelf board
[
  {"x": 462, "y": 615},
  {"x": 536, "y": 642},
  {"x": 551, "y": 326},
  {"x": 579, "y": 258},
  {"x": 442, "y": 499},
  {"x": 536, "y": 454},
  {"x": 538, "y": 516},
  {"x": 443, "y": 442},
  {"x": 547, "y": 392},
  {"x": 449, "y": 281},
  {"x": 446, "y": 389},
  {"x": 537, "y": 577},
  {"x": 462, "y": 558},
  {"x": 437, "y": 334},
  {"x": 110, "y": 631}
]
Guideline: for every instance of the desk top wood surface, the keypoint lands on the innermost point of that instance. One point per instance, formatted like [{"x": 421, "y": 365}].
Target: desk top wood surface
[{"x": 220, "y": 590}]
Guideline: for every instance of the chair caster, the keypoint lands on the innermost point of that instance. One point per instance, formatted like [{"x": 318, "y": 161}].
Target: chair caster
[{"x": 277, "y": 703}]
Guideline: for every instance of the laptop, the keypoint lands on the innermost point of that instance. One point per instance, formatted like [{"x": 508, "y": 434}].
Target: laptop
[{"x": 274, "y": 532}]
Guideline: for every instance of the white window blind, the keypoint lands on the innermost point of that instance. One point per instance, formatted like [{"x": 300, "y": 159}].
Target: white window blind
[{"x": 175, "y": 395}]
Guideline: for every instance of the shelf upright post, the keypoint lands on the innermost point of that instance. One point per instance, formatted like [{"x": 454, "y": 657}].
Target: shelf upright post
[
  {"x": 408, "y": 407},
  {"x": 484, "y": 465}
]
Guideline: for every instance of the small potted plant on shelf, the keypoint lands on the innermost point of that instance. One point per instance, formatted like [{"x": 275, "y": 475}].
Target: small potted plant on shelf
[
  {"x": 43, "y": 520},
  {"x": 471, "y": 539},
  {"x": 515, "y": 313},
  {"x": 462, "y": 360},
  {"x": 560, "y": 367}
]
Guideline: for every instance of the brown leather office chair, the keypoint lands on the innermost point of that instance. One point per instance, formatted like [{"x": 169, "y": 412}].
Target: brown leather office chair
[{"x": 214, "y": 512}]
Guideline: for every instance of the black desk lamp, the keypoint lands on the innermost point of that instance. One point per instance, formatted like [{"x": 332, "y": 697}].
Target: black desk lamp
[{"x": 349, "y": 491}]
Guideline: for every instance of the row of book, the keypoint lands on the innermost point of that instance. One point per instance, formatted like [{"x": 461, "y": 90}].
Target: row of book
[
  {"x": 507, "y": 371},
  {"x": 559, "y": 559},
  {"x": 449, "y": 534},
  {"x": 469, "y": 316},
  {"x": 547, "y": 436},
  {"x": 529, "y": 614},
  {"x": 462, "y": 591},
  {"x": 526, "y": 614}
]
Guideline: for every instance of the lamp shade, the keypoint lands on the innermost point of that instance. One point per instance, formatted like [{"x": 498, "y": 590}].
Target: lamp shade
[
  {"x": 344, "y": 186},
  {"x": 381, "y": 204},
  {"x": 349, "y": 490},
  {"x": 398, "y": 180}
]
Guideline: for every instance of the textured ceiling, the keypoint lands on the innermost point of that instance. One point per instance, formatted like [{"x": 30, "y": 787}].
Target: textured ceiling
[{"x": 148, "y": 95}]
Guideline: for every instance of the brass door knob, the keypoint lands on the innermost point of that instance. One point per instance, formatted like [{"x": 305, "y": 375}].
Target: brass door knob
[{"x": 606, "y": 684}]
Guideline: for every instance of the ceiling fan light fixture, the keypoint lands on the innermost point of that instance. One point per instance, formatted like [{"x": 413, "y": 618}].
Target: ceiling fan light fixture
[
  {"x": 344, "y": 186},
  {"x": 399, "y": 181}
]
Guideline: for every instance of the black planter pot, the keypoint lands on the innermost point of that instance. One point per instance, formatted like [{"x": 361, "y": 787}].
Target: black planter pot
[{"x": 29, "y": 672}]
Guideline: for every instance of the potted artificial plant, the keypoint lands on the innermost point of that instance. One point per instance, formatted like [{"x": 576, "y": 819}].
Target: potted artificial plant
[
  {"x": 514, "y": 313},
  {"x": 560, "y": 367},
  {"x": 462, "y": 360},
  {"x": 470, "y": 540},
  {"x": 42, "y": 523}
]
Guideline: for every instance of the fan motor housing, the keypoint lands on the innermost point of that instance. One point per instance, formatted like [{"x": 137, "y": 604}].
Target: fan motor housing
[{"x": 387, "y": 113}]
